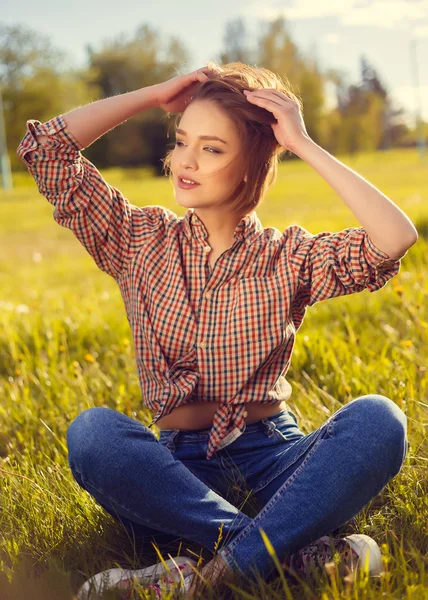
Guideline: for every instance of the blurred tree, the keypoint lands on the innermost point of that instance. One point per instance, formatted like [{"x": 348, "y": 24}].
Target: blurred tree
[
  {"x": 36, "y": 83},
  {"x": 278, "y": 52},
  {"x": 364, "y": 119},
  {"x": 390, "y": 120},
  {"x": 235, "y": 44},
  {"x": 123, "y": 65},
  {"x": 24, "y": 52}
]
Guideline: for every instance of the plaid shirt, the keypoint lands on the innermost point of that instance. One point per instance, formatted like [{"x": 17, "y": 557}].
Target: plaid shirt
[{"x": 223, "y": 335}]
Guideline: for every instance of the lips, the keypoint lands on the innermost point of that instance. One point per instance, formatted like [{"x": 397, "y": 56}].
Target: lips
[
  {"x": 187, "y": 186},
  {"x": 189, "y": 178}
]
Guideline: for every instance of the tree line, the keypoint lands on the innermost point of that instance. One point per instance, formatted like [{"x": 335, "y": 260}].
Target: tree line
[{"x": 37, "y": 82}]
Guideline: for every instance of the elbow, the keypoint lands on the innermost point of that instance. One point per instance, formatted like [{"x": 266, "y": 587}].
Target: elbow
[
  {"x": 402, "y": 250},
  {"x": 413, "y": 239}
]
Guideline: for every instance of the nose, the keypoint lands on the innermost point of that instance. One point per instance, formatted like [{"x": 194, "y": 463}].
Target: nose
[
  {"x": 187, "y": 164},
  {"x": 186, "y": 158}
]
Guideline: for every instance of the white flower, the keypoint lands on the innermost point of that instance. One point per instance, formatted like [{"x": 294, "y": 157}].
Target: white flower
[{"x": 22, "y": 308}]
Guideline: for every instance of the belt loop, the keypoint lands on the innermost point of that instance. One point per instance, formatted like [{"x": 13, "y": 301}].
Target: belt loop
[
  {"x": 172, "y": 440},
  {"x": 270, "y": 427}
]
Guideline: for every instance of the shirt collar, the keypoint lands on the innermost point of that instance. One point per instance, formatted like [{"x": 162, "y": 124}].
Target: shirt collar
[{"x": 248, "y": 229}]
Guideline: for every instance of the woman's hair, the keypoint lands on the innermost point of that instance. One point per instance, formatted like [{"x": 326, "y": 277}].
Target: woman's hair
[{"x": 260, "y": 149}]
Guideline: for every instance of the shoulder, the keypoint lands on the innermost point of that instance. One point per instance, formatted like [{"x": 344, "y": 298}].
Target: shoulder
[
  {"x": 157, "y": 214},
  {"x": 289, "y": 238}
]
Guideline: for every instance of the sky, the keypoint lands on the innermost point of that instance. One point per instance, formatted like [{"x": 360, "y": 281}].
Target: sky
[{"x": 393, "y": 34}]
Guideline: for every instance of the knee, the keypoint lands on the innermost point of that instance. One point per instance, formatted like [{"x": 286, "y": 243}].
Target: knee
[
  {"x": 88, "y": 434},
  {"x": 385, "y": 423},
  {"x": 381, "y": 414}
]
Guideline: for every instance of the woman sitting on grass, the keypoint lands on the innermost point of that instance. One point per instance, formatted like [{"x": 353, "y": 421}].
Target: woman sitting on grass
[{"x": 214, "y": 301}]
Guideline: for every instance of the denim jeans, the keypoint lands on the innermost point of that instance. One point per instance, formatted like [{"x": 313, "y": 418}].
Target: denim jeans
[{"x": 306, "y": 485}]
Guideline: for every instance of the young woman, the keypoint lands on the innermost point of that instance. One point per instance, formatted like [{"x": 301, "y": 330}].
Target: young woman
[{"x": 214, "y": 301}]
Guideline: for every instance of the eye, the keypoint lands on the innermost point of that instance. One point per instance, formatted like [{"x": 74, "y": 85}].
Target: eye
[{"x": 214, "y": 151}]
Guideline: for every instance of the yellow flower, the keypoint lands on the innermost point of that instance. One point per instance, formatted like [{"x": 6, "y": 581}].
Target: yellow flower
[
  {"x": 89, "y": 357},
  {"x": 397, "y": 287}
]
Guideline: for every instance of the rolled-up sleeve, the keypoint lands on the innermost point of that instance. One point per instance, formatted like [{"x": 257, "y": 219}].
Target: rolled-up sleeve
[
  {"x": 110, "y": 228},
  {"x": 329, "y": 265}
]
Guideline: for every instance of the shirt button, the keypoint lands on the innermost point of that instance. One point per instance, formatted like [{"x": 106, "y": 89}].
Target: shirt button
[
  {"x": 208, "y": 295},
  {"x": 245, "y": 413},
  {"x": 207, "y": 249},
  {"x": 51, "y": 131},
  {"x": 202, "y": 345}
]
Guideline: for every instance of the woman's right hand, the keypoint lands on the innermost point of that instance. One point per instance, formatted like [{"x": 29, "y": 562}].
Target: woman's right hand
[{"x": 174, "y": 95}]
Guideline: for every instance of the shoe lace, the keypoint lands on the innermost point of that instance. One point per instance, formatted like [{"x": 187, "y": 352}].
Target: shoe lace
[
  {"x": 320, "y": 552},
  {"x": 157, "y": 587}
]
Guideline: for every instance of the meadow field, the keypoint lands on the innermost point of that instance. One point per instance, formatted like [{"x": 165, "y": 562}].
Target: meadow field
[{"x": 65, "y": 345}]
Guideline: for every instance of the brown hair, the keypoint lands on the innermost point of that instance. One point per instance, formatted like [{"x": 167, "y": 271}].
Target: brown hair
[{"x": 260, "y": 148}]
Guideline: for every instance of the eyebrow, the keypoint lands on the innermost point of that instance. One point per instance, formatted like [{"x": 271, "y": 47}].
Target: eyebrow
[{"x": 201, "y": 137}]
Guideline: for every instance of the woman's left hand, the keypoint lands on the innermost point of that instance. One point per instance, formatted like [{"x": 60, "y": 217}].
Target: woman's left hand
[{"x": 290, "y": 131}]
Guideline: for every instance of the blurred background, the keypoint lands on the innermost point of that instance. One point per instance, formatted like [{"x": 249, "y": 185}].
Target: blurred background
[{"x": 359, "y": 65}]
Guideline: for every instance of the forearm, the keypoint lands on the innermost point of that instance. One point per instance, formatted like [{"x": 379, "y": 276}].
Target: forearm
[
  {"x": 387, "y": 225},
  {"x": 88, "y": 123}
]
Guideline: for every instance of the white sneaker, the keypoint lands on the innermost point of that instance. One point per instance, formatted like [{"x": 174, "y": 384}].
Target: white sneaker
[
  {"x": 353, "y": 550},
  {"x": 162, "y": 579}
]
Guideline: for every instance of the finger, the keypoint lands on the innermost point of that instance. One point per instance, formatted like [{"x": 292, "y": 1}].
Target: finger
[
  {"x": 205, "y": 70},
  {"x": 270, "y": 105},
  {"x": 193, "y": 78},
  {"x": 198, "y": 75},
  {"x": 262, "y": 101},
  {"x": 268, "y": 93}
]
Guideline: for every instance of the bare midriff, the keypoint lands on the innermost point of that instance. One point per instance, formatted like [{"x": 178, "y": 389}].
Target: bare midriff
[{"x": 200, "y": 415}]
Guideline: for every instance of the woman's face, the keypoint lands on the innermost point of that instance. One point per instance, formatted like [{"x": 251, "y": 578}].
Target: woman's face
[{"x": 201, "y": 159}]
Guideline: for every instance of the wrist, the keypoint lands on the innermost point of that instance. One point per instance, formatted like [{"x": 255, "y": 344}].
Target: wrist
[
  {"x": 147, "y": 97},
  {"x": 306, "y": 144}
]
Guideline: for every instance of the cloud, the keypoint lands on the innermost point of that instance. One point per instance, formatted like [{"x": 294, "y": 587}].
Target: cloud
[
  {"x": 331, "y": 38},
  {"x": 389, "y": 14}
]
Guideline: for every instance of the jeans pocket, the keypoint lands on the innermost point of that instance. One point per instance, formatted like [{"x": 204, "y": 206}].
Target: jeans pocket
[
  {"x": 293, "y": 416},
  {"x": 287, "y": 437},
  {"x": 287, "y": 431},
  {"x": 279, "y": 435}
]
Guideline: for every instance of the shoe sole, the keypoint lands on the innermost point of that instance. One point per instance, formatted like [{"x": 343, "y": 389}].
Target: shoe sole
[{"x": 112, "y": 577}]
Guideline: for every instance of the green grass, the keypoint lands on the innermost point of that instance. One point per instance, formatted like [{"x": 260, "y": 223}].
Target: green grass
[{"x": 65, "y": 345}]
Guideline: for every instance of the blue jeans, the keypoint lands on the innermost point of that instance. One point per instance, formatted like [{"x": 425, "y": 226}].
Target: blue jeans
[{"x": 306, "y": 485}]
